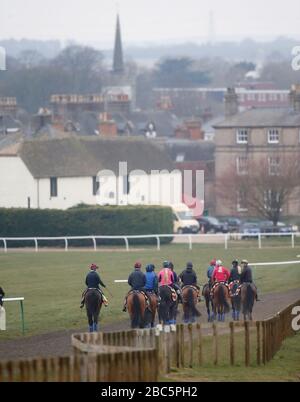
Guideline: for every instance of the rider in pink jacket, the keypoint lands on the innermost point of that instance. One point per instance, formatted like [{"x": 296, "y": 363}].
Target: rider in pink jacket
[{"x": 165, "y": 276}]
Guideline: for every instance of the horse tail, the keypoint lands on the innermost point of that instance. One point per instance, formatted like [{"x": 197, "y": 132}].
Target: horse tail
[
  {"x": 223, "y": 299},
  {"x": 191, "y": 303},
  {"x": 136, "y": 316}
]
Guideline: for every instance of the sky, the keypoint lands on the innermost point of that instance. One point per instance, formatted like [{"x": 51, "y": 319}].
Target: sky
[{"x": 148, "y": 21}]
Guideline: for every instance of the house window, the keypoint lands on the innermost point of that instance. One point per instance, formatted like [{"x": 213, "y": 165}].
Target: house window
[
  {"x": 126, "y": 185},
  {"x": 241, "y": 201},
  {"x": 96, "y": 186},
  {"x": 242, "y": 165},
  {"x": 274, "y": 165},
  {"x": 242, "y": 136},
  {"x": 273, "y": 136},
  {"x": 53, "y": 186}
]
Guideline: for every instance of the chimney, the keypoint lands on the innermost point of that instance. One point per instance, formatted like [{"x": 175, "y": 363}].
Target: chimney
[
  {"x": 295, "y": 98},
  {"x": 231, "y": 102}
]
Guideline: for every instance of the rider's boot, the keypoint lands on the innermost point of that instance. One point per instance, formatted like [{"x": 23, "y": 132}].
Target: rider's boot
[{"x": 91, "y": 328}]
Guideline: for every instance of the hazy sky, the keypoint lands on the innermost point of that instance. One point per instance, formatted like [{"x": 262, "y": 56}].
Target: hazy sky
[{"x": 147, "y": 20}]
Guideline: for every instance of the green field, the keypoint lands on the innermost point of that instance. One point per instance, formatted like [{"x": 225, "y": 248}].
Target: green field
[
  {"x": 52, "y": 282},
  {"x": 285, "y": 366}
]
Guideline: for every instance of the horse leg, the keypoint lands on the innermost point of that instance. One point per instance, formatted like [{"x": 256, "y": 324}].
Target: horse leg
[{"x": 90, "y": 319}]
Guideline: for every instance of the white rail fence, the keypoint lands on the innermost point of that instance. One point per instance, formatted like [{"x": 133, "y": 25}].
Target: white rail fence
[{"x": 190, "y": 239}]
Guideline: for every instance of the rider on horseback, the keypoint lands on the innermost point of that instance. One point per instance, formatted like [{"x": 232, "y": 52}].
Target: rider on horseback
[
  {"x": 176, "y": 285},
  {"x": 235, "y": 273},
  {"x": 151, "y": 279},
  {"x": 137, "y": 281},
  {"x": 220, "y": 274},
  {"x": 93, "y": 281},
  {"x": 210, "y": 272},
  {"x": 188, "y": 277},
  {"x": 246, "y": 276}
]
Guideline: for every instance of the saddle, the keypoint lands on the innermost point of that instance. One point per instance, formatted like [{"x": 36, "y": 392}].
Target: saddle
[
  {"x": 173, "y": 293},
  {"x": 216, "y": 285},
  {"x": 194, "y": 288},
  {"x": 232, "y": 284},
  {"x": 147, "y": 299}
]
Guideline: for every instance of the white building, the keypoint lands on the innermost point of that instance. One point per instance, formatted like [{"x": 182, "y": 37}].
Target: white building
[{"x": 61, "y": 173}]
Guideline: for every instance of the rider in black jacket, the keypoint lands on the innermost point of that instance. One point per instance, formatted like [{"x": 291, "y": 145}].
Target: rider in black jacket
[
  {"x": 188, "y": 276},
  {"x": 246, "y": 276},
  {"x": 137, "y": 281},
  {"x": 92, "y": 281}
]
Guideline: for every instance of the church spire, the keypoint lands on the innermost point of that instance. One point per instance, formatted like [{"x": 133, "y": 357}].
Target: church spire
[{"x": 118, "y": 64}]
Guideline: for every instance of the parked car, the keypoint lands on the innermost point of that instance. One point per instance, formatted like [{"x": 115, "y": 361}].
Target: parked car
[
  {"x": 233, "y": 224},
  {"x": 249, "y": 230},
  {"x": 268, "y": 227},
  {"x": 210, "y": 224}
]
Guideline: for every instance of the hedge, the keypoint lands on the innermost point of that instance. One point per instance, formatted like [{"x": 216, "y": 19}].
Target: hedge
[{"x": 101, "y": 221}]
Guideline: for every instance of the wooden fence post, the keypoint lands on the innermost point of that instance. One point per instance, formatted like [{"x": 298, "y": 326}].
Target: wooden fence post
[
  {"x": 200, "y": 351},
  {"x": 232, "y": 344},
  {"x": 216, "y": 344},
  {"x": 247, "y": 344},
  {"x": 258, "y": 343}
]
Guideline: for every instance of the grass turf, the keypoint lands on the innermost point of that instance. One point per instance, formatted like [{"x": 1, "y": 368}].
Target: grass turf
[{"x": 52, "y": 282}]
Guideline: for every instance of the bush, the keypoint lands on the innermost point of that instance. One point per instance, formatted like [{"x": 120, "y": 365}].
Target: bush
[{"x": 98, "y": 221}]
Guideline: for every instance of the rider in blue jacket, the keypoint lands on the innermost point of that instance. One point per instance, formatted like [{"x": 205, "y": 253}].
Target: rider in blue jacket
[
  {"x": 210, "y": 271},
  {"x": 151, "y": 279}
]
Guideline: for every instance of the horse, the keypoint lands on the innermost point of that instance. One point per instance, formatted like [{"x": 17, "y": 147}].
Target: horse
[
  {"x": 167, "y": 308},
  {"x": 248, "y": 295},
  {"x": 221, "y": 301},
  {"x": 235, "y": 300},
  {"x": 208, "y": 302},
  {"x": 93, "y": 304},
  {"x": 190, "y": 299},
  {"x": 139, "y": 311},
  {"x": 153, "y": 307}
]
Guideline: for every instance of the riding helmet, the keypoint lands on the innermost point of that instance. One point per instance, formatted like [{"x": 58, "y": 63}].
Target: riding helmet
[
  {"x": 150, "y": 268},
  {"x": 235, "y": 262},
  {"x": 138, "y": 265},
  {"x": 189, "y": 265},
  {"x": 166, "y": 264},
  {"x": 218, "y": 263},
  {"x": 94, "y": 267},
  {"x": 171, "y": 265}
]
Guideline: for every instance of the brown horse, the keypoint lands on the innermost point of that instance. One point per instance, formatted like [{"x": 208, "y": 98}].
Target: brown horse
[
  {"x": 153, "y": 307},
  {"x": 93, "y": 304},
  {"x": 221, "y": 301},
  {"x": 138, "y": 310},
  {"x": 248, "y": 295},
  {"x": 190, "y": 300}
]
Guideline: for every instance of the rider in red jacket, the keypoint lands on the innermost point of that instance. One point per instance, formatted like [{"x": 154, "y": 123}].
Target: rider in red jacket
[{"x": 220, "y": 274}]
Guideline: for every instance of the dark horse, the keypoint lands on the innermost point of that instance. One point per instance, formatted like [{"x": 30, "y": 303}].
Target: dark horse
[
  {"x": 190, "y": 299},
  {"x": 167, "y": 308},
  {"x": 235, "y": 300},
  {"x": 93, "y": 304},
  {"x": 248, "y": 295},
  {"x": 153, "y": 306},
  {"x": 208, "y": 302},
  {"x": 221, "y": 301},
  {"x": 139, "y": 312}
]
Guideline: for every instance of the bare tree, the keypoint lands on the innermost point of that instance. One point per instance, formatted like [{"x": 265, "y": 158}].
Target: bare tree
[{"x": 264, "y": 187}]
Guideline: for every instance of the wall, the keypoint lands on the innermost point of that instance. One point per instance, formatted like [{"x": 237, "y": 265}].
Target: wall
[{"x": 16, "y": 184}]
